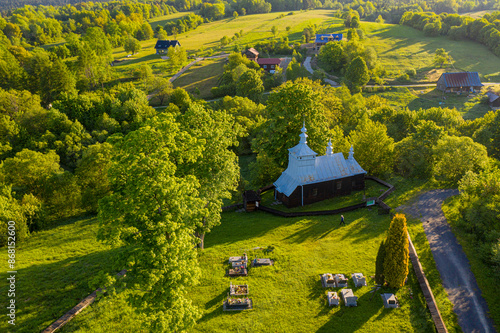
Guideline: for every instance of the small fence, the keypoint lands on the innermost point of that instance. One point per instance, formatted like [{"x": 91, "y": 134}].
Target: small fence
[
  {"x": 383, "y": 207},
  {"x": 426, "y": 290}
]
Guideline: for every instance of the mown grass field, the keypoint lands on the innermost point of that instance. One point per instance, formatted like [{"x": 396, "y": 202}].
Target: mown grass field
[
  {"x": 400, "y": 48},
  {"x": 202, "y": 75},
  {"x": 56, "y": 266},
  {"x": 425, "y": 98}
]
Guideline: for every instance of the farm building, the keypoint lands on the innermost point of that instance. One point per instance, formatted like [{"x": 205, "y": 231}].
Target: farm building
[
  {"x": 269, "y": 64},
  {"x": 163, "y": 45},
  {"x": 251, "y": 54},
  {"x": 459, "y": 82},
  {"x": 310, "y": 178},
  {"x": 322, "y": 39},
  {"x": 493, "y": 99}
]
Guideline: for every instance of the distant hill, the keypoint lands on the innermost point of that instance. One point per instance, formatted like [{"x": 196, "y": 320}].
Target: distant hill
[{"x": 13, "y": 4}]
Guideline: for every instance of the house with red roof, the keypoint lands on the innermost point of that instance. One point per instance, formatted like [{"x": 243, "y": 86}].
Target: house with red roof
[{"x": 269, "y": 64}]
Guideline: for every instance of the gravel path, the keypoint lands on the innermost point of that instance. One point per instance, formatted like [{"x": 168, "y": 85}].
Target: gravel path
[{"x": 451, "y": 262}]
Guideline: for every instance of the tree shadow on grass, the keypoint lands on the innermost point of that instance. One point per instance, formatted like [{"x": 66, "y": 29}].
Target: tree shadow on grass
[
  {"x": 45, "y": 292},
  {"x": 236, "y": 227},
  {"x": 351, "y": 319},
  {"x": 314, "y": 230}
]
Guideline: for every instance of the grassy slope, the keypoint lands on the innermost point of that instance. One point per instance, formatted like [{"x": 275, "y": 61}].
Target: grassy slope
[
  {"x": 486, "y": 279},
  {"x": 203, "y": 75},
  {"x": 204, "y": 40},
  {"x": 400, "y": 48},
  {"x": 54, "y": 269},
  {"x": 304, "y": 248},
  {"x": 424, "y": 98}
]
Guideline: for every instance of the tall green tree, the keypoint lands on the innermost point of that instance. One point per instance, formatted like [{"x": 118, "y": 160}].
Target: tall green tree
[
  {"x": 132, "y": 45},
  {"x": 287, "y": 109},
  {"x": 397, "y": 253},
  {"x": 414, "y": 154},
  {"x": 250, "y": 85},
  {"x": 217, "y": 170},
  {"x": 154, "y": 213},
  {"x": 454, "y": 156},
  {"x": 357, "y": 74},
  {"x": 373, "y": 148},
  {"x": 332, "y": 56}
]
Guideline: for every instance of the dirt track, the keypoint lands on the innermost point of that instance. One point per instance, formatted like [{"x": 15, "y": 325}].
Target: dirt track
[{"x": 451, "y": 262}]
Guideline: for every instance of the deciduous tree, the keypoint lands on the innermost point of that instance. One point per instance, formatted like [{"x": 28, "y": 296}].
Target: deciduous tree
[
  {"x": 154, "y": 212},
  {"x": 357, "y": 74},
  {"x": 373, "y": 148}
]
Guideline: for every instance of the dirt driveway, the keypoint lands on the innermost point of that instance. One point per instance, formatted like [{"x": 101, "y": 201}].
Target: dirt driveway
[{"x": 451, "y": 262}]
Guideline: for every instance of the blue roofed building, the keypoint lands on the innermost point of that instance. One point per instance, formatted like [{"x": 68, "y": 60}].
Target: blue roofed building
[
  {"x": 311, "y": 178},
  {"x": 459, "y": 82},
  {"x": 163, "y": 45},
  {"x": 322, "y": 39}
]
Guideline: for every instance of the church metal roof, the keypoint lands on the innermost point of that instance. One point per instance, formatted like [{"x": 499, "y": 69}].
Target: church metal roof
[{"x": 304, "y": 167}]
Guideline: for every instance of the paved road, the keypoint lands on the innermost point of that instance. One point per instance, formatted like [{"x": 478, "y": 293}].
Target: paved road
[{"x": 451, "y": 262}]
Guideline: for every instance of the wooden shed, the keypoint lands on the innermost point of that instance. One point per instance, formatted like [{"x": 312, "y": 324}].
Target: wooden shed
[
  {"x": 251, "y": 54},
  {"x": 493, "y": 99},
  {"x": 310, "y": 178},
  {"x": 251, "y": 200}
]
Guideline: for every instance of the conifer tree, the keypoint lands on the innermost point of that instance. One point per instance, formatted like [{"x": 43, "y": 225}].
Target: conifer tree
[{"x": 397, "y": 253}]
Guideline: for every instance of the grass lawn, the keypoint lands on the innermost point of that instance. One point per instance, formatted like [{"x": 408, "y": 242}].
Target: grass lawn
[
  {"x": 485, "y": 277},
  {"x": 400, "y": 48},
  {"x": 202, "y": 75},
  {"x": 425, "y": 98},
  {"x": 57, "y": 264},
  {"x": 54, "y": 269},
  {"x": 479, "y": 14},
  {"x": 162, "y": 20}
]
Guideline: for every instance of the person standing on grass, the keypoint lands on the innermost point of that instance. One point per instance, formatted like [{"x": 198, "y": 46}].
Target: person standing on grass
[{"x": 342, "y": 220}]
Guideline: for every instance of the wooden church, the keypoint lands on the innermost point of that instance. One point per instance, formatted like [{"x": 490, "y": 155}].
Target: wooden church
[{"x": 310, "y": 178}]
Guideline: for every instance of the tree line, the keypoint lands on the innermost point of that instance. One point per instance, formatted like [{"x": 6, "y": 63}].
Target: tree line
[{"x": 485, "y": 30}]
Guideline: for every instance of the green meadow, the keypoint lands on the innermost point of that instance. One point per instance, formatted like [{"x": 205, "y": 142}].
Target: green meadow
[
  {"x": 56, "y": 268},
  {"x": 425, "y": 98}
]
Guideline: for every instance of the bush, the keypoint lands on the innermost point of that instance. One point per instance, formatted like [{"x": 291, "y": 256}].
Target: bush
[{"x": 411, "y": 72}]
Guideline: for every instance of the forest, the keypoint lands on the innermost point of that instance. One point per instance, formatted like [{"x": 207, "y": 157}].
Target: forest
[{"x": 76, "y": 138}]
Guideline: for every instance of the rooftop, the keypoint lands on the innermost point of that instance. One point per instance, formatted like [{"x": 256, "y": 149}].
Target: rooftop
[
  {"x": 165, "y": 44},
  {"x": 461, "y": 79},
  {"x": 269, "y": 61}
]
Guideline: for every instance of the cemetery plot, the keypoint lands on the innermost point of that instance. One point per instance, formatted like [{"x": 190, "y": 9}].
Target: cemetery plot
[
  {"x": 238, "y": 289},
  {"x": 359, "y": 279},
  {"x": 237, "y": 271},
  {"x": 237, "y": 304},
  {"x": 239, "y": 266},
  {"x": 390, "y": 300},
  {"x": 333, "y": 298},
  {"x": 340, "y": 280},
  {"x": 262, "y": 262},
  {"x": 348, "y": 297},
  {"x": 328, "y": 280}
]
